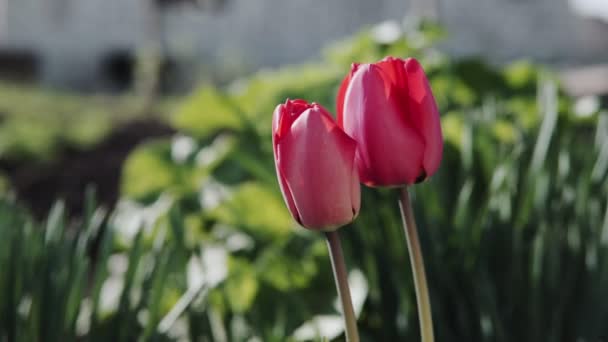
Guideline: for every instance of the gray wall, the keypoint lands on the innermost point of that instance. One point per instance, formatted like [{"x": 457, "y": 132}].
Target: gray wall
[
  {"x": 73, "y": 35},
  {"x": 269, "y": 32},
  {"x": 545, "y": 30}
]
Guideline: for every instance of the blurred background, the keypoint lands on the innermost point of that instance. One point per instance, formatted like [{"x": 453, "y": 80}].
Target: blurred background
[{"x": 138, "y": 198}]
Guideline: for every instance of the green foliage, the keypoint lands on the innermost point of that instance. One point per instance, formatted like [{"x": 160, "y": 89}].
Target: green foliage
[
  {"x": 495, "y": 226},
  {"x": 149, "y": 171},
  {"x": 65, "y": 281},
  {"x": 201, "y": 247},
  {"x": 210, "y": 102},
  {"x": 36, "y": 122},
  {"x": 243, "y": 210}
]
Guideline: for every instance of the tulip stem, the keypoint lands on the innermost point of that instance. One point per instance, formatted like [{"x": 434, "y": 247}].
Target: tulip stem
[
  {"x": 417, "y": 262},
  {"x": 339, "y": 268}
]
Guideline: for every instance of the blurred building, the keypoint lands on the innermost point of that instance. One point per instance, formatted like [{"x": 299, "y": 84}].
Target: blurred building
[
  {"x": 91, "y": 44},
  {"x": 551, "y": 31}
]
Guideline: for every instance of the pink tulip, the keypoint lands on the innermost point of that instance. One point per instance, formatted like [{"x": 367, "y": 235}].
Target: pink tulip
[
  {"x": 389, "y": 109},
  {"x": 314, "y": 160}
]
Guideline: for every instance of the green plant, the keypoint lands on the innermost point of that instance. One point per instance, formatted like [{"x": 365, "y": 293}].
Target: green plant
[
  {"x": 513, "y": 225},
  {"x": 515, "y": 210},
  {"x": 36, "y": 123}
]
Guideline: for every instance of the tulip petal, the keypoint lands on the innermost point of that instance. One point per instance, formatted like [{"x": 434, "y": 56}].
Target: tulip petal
[
  {"x": 285, "y": 114},
  {"x": 355, "y": 190},
  {"x": 349, "y": 151},
  {"x": 390, "y": 151},
  {"x": 395, "y": 80},
  {"x": 318, "y": 170},
  {"x": 276, "y": 119},
  {"x": 342, "y": 93},
  {"x": 349, "y": 147},
  {"x": 285, "y": 191},
  {"x": 424, "y": 114}
]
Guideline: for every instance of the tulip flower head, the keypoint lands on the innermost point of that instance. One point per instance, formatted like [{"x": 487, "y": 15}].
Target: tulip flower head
[
  {"x": 389, "y": 109},
  {"x": 315, "y": 164}
]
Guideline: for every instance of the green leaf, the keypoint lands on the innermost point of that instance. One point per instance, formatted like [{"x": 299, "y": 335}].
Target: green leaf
[
  {"x": 241, "y": 286},
  {"x": 148, "y": 171},
  {"x": 258, "y": 210},
  {"x": 55, "y": 224},
  {"x": 206, "y": 112}
]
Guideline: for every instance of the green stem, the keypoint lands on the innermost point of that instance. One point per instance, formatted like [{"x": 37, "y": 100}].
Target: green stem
[
  {"x": 339, "y": 267},
  {"x": 413, "y": 245}
]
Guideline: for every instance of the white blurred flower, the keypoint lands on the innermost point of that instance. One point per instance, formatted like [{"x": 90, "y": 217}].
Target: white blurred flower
[
  {"x": 194, "y": 272},
  {"x": 586, "y": 106},
  {"x": 130, "y": 216},
  {"x": 239, "y": 241},
  {"x": 210, "y": 269},
  {"x": 212, "y": 194},
  {"x": 331, "y": 326},
  {"x": 127, "y": 220},
  {"x": 110, "y": 294},
  {"x": 118, "y": 264},
  {"x": 179, "y": 330},
  {"x": 143, "y": 317},
  {"x": 210, "y": 154},
  {"x": 24, "y": 306},
  {"x": 358, "y": 290},
  {"x": 239, "y": 328},
  {"x": 387, "y": 32},
  {"x": 83, "y": 321},
  {"x": 182, "y": 147},
  {"x": 325, "y": 326},
  {"x": 202, "y": 273}
]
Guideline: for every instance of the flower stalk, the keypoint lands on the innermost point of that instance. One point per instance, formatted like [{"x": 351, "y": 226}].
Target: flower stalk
[
  {"x": 417, "y": 262},
  {"x": 340, "y": 275}
]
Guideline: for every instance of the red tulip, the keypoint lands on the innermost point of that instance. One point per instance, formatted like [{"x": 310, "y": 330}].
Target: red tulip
[
  {"x": 389, "y": 109},
  {"x": 315, "y": 166}
]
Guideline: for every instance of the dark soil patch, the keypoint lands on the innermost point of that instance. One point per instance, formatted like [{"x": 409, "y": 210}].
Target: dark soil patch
[{"x": 39, "y": 185}]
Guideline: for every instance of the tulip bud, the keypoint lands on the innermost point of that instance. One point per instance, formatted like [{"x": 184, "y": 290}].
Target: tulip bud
[
  {"x": 389, "y": 109},
  {"x": 315, "y": 166}
]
